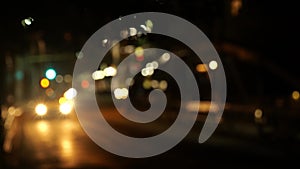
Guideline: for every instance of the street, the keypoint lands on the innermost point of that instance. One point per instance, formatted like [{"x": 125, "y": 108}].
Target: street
[
  {"x": 60, "y": 142},
  {"x": 57, "y": 55}
]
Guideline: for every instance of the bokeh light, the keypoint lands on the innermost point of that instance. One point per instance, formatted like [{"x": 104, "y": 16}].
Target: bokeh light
[
  {"x": 27, "y": 22},
  {"x": 165, "y": 57},
  {"x": 50, "y": 92},
  {"x": 59, "y": 79},
  {"x": 213, "y": 65},
  {"x": 85, "y": 84},
  {"x": 110, "y": 71},
  {"x": 50, "y": 74},
  {"x": 139, "y": 53},
  {"x": 44, "y": 83},
  {"x": 98, "y": 75},
  {"x": 70, "y": 93},
  {"x": 201, "y": 68},
  {"x": 62, "y": 100},
  {"x": 121, "y": 93},
  {"x": 258, "y": 113},
  {"x": 66, "y": 107},
  {"x": 295, "y": 95},
  {"x": 68, "y": 78},
  {"x": 163, "y": 85},
  {"x": 41, "y": 109},
  {"x": 132, "y": 31}
]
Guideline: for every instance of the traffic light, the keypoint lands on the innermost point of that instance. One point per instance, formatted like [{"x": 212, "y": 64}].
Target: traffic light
[
  {"x": 50, "y": 74},
  {"x": 44, "y": 83}
]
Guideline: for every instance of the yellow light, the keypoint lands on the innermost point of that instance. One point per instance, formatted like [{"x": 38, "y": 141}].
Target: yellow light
[
  {"x": 66, "y": 144},
  {"x": 18, "y": 112},
  {"x": 139, "y": 51},
  {"x": 295, "y": 95},
  {"x": 154, "y": 84},
  {"x": 163, "y": 85},
  {"x": 149, "y": 24},
  {"x": 258, "y": 113},
  {"x": 147, "y": 84},
  {"x": 41, "y": 109},
  {"x": 44, "y": 83},
  {"x": 11, "y": 110},
  {"x": 201, "y": 68},
  {"x": 62, "y": 100},
  {"x": 67, "y": 148}
]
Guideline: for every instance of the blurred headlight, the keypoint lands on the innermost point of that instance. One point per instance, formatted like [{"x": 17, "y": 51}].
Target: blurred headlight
[
  {"x": 41, "y": 109},
  {"x": 66, "y": 107}
]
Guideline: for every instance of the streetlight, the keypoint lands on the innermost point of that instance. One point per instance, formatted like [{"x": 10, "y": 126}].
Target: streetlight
[{"x": 27, "y": 22}]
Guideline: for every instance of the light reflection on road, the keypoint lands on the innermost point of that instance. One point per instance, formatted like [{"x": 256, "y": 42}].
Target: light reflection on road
[
  {"x": 61, "y": 143},
  {"x": 43, "y": 128}
]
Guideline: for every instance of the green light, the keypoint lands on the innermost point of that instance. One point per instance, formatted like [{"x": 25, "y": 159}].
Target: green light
[{"x": 50, "y": 74}]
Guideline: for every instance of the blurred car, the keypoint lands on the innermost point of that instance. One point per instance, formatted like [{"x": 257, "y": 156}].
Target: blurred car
[{"x": 58, "y": 106}]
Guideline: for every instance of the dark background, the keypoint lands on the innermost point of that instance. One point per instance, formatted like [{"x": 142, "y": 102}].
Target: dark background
[{"x": 267, "y": 27}]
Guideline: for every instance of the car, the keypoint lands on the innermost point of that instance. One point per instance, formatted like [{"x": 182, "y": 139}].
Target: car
[{"x": 58, "y": 106}]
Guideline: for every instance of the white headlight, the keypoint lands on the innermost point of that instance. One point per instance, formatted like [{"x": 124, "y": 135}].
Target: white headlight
[
  {"x": 41, "y": 109},
  {"x": 66, "y": 107}
]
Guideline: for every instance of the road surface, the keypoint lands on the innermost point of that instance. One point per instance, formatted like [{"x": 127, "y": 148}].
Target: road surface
[{"x": 60, "y": 143}]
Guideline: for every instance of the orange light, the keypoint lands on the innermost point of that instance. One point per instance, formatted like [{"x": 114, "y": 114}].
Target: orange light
[
  {"x": 44, "y": 83},
  {"x": 85, "y": 84},
  {"x": 295, "y": 95},
  {"x": 201, "y": 68}
]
